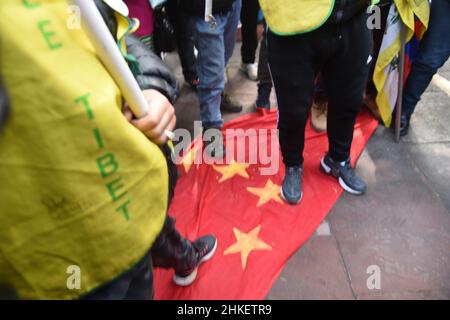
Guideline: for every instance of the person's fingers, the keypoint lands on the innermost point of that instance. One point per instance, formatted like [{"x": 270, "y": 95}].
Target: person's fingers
[
  {"x": 163, "y": 124},
  {"x": 160, "y": 140},
  {"x": 149, "y": 121},
  {"x": 160, "y": 117},
  {"x": 172, "y": 123},
  {"x": 128, "y": 114},
  {"x": 157, "y": 107}
]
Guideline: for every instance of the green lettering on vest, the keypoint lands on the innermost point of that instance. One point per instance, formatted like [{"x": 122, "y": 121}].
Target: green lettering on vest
[
  {"x": 98, "y": 138},
  {"x": 113, "y": 188},
  {"x": 124, "y": 209},
  {"x": 85, "y": 102},
  {"x": 107, "y": 165},
  {"x": 48, "y": 35},
  {"x": 30, "y": 5}
]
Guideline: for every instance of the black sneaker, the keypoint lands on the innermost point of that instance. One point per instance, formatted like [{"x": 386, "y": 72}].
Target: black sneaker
[
  {"x": 263, "y": 98},
  {"x": 291, "y": 190},
  {"x": 205, "y": 247},
  {"x": 404, "y": 125},
  {"x": 346, "y": 175},
  {"x": 227, "y": 104}
]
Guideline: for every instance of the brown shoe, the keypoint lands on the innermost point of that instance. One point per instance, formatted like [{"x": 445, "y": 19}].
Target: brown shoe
[
  {"x": 369, "y": 101},
  {"x": 319, "y": 111}
]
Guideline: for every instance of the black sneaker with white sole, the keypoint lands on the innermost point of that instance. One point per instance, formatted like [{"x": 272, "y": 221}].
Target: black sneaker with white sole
[
  {"x": 291, "y": 189},
  {"x": 346, "y": 175},
  {"x": 205, "y": 247},
  {"x": 229, "y": 105}
]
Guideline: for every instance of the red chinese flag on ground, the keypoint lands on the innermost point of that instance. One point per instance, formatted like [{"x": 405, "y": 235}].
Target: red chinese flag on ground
[{"x": 257, "y": 232}]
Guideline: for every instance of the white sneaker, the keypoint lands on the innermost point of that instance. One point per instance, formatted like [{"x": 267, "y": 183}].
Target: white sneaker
[
  {"x": 251, "y": 70},
  {"x": 225, "y": 75}
]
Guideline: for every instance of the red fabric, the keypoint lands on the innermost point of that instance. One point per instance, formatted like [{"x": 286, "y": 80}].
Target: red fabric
[{"x": 202, "y": 205}]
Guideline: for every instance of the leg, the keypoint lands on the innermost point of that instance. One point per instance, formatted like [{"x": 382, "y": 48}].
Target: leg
[
  {"x": 265, "y": 81},
  {"x": 293, "y": 67},
  {"x": 433, "y": 53},
  {"x": 184, "y": 38},
  {"x": 210, "y": 67},
  {"x": 227, "y": 103},
  {"x": 171, "y": 250},
  {"x": 229, "y": 35},
  {"x": 345, "y": 76},
  {"x": 249, "y": 19}
]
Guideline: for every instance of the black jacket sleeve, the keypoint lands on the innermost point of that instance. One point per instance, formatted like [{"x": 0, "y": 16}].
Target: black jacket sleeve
[{"x": 154, "y": 74}]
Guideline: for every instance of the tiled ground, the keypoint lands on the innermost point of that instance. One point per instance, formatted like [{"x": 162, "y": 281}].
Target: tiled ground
[{"x": 402, "y": 225}]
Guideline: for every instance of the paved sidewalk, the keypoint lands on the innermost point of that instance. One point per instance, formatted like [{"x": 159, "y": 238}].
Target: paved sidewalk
[{"x": 402, "y": 224}]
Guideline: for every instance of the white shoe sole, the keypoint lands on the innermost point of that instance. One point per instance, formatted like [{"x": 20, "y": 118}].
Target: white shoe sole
[
  {"x": 245, "y": 70},
  {"x": 342, "y": 183},
  {"x": 186, "y": 281},
  {"x": 284, "y": 197}
]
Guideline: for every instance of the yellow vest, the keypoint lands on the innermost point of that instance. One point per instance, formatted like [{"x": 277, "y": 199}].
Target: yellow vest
[
  {"x": 289, "y": 17},
  {"x": 83, "y": 194}
]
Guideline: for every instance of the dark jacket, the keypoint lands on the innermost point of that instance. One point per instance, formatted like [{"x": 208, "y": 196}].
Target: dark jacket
[
  {"x": 197, "y": 7},
  {"x": 344, "y": 10},
  {"x": 154, "y": 74}
]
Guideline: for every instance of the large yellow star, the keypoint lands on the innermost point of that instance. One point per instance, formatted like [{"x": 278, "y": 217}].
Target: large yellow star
[
  {"x": 271, "y": 191},
  {"x": 189, "y": 158},
  {"x": 231, "y": 170},
  {"x": 246, "y": 243}
]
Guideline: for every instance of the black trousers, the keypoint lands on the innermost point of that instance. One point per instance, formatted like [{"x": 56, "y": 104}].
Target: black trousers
[
  {"x": 249, "y": 20},
  {"x": 264, "y": 78},
  {"x": 340, "y": 52},
  {"x": 184, "y": 38}
]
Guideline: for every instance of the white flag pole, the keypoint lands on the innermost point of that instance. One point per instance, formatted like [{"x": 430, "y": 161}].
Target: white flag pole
[
  {"x": 109, "y": 53},
  {"x": 401, "y": 74}
]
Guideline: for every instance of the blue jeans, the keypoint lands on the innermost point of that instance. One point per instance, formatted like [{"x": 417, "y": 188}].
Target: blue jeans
[
  {"x": 215, "y": 47},
  {"x": 433, "y": 53}
]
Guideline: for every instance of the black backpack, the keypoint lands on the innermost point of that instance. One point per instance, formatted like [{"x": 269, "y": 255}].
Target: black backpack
[{"x": 163, "y": 34}]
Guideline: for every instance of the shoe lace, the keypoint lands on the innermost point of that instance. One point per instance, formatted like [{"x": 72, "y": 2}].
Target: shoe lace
[
  {"x": 295, "y": 172},
  {"x": 348, "y": 170},
  {"x": 201, "y": 250}
]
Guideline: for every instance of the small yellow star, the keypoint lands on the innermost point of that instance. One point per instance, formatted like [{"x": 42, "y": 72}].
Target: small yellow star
[
  {"x": 246, "y": 243},
  {"x": 271, "y": 191},
  {"x": 189, "y": 158},
  {"x": 231, "y": 170}
]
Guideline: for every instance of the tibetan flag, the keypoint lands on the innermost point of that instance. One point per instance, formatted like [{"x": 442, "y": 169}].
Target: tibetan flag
[
  {"x": 412, "y": 47},
  {"x": 240, "y": 203},
  {"x": 414, "y": 15}
]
